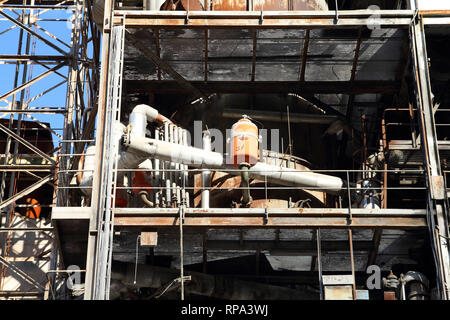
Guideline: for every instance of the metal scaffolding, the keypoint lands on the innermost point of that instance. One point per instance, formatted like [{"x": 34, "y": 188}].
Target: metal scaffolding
[{"x": 69, "y": 62}]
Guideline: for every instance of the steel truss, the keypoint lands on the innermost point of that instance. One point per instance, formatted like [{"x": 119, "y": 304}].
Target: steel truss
[{"x": 72, "y": 64}]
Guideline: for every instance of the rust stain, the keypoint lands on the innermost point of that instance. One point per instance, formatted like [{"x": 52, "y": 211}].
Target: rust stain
[{"x": 269, "y": 5}]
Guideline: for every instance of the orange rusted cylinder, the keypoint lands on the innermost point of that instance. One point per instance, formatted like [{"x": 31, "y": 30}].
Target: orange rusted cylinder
[
  {"x": 140, "y": 182},
  {"x": 245, "y": 142},
  {"x": 33, "y": 212}
]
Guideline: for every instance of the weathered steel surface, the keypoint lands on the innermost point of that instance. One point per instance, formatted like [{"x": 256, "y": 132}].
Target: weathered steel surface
[
  {"x": 273, "y": 222},
  {"x": 265, "y": 19}
]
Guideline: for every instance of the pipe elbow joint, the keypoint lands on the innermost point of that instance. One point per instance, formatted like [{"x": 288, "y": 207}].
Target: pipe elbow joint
[{"x": 151, "y": 114}]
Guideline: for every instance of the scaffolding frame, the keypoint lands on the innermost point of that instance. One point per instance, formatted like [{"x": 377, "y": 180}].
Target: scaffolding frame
[{"x": 79, "y": 58}]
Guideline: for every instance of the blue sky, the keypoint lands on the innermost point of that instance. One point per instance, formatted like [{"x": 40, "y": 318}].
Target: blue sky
[{"x": 9, "y": 45}]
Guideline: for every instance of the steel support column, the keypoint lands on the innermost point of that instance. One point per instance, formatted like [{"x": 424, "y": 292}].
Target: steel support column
[
  {"x": 101, "y": 222},
  {"x": 437, "y": 197}
]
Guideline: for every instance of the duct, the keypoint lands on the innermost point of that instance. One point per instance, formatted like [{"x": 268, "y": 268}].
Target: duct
[
  {"x": 127, "y": 160},
  {"x": 203, "y": 284},
  {"x": 291, "y": 177},
  {"x": 172, "y": 152},
  {"x": 280, "y": 116},
  {"x": 142, "y": 114}
]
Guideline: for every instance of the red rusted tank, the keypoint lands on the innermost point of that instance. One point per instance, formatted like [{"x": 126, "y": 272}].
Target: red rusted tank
[{"x": 140, "y": 182}]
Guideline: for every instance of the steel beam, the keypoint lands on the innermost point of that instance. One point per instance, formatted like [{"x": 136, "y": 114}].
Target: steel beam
[
  {"x": 26, "y": 167},
  {"x": 277, "y": 19},
  {"x": 304, "y": 247},
  {"x": 307, "y": 87},
  {"x": 263, "y": 19},
  {"x": 271, "y": 218}
]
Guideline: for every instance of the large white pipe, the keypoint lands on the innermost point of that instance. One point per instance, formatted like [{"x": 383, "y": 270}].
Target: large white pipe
[
  {"x": 139, "y": 117},
  {"x": 291, "y": 177},
  {"x": 172, "y": 152},
  {"x": 89, "y": 161},
  {"x": 142, "y": 114},
  {"x": 140, "y": 148},
  {"x": 200, "y": 158}
]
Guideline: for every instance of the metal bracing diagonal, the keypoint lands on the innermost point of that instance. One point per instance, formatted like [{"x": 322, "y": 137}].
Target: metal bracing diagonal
[
  {"x": 27, "y": 29},
  {"x": 26, "y": 143},
  {"x": 21, "y": 274},
  {"x": 45, "y": 92},
  {"x": 29, "y": 83},
  {"x": 26, "y": 191}
]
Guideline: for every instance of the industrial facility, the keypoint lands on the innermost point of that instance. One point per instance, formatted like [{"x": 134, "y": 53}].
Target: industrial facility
[{"x": 224, "y": 149}]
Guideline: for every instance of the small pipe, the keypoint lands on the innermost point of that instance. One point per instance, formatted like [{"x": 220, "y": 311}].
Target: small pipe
[
  {"x": 144, "y": 197},
  {"x": 167, "y": 165},
  {"x": 246, "y": 198},
  {"x": 186, "y": 174},
  {"x": 416, "y": 284},
  {"x": 156, "y": 175},
  {"x": 280, "y": 116},
  {"x": 173, "y": 166},
  {"x": 206, "y": 174}
]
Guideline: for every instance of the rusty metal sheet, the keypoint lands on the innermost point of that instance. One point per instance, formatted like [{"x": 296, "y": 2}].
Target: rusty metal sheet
[
  {"x": 229, "y": 5},
  {"x": 389, "y": 295},
  {"x": 342, "y": 279},
  {"x": 269, "y": 5},
  {"x": 149, "y": 239},
  {"x": 338, "y": 293},
  {"x": 437, "y": 187}
]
